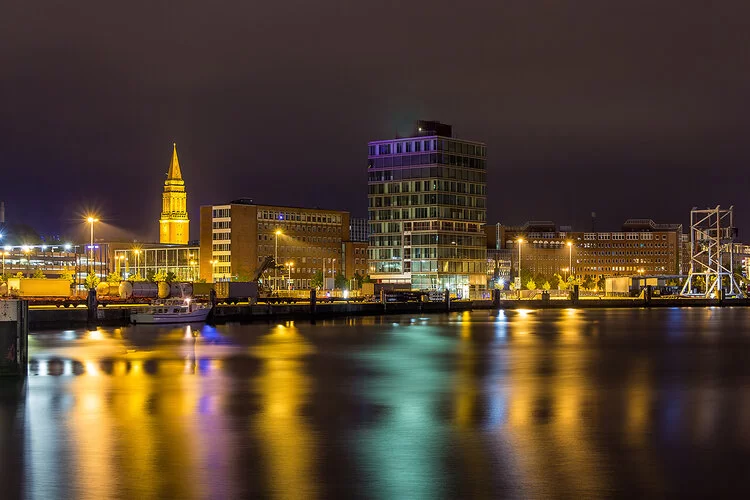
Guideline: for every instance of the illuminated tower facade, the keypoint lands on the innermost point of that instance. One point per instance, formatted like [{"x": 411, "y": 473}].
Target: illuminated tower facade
[{"x": 174, "y": 225}]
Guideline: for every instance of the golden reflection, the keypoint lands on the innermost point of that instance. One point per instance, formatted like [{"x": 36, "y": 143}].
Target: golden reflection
[
  {"x": 467, "y": 391},
  {"x": 289, "y": 445}
]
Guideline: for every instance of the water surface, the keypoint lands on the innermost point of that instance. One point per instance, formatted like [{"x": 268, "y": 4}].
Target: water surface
[{"x": 519, "y": 404}]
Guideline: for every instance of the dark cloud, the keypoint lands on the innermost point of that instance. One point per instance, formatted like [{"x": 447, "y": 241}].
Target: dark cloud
[{"x": 631, "y": 109}]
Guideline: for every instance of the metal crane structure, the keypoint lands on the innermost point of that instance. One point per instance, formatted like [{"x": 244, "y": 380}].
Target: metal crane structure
[{"x": 712, "y": 234}]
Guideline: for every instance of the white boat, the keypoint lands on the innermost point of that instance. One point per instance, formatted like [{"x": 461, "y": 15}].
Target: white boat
[{"x": 171, "y": 311}]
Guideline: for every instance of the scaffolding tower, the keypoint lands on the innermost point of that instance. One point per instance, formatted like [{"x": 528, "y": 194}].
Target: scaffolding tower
[{"x": 712, "y": 234}]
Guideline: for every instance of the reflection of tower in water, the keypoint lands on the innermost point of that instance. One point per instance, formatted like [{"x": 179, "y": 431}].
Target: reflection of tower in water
[{"x": 287, "y": 441}]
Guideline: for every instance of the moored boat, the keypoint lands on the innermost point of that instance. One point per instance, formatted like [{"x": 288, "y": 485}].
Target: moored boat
[{"x": 171, "y": 311}]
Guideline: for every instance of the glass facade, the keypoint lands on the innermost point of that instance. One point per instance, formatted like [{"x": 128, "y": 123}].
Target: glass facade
[{"x": 427, "y": 210}]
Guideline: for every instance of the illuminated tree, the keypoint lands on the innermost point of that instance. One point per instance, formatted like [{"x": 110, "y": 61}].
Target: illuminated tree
[
  {"x": 531, "y": 284},
  {"x": 39, "y": 274},
  {"x": 92, "y": 281},
  {"x": 546, "y": 286},
  {"x": 113, "y": 278}
]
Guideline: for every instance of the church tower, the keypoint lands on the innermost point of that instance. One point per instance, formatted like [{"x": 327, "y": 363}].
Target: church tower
[{"x": 174, "y": 225}]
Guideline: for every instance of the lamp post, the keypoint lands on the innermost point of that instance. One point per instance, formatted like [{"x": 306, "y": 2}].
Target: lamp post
[
  {"x": 5, "y": 254},
  {"x": 213, "y": 270},
  {"x": 289, "y": 282},
  {"x": 276, "y": 261},
  {"x": 570, "y": 257},
  {"x": 120, "y": 258},
  {"x": 91, "y": 221},
  {"x": 518, "y": 278},
  {"x": 137, "y": 262}
]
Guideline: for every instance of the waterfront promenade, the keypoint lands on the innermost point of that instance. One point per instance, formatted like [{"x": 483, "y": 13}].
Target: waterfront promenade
[{"x": 43, "y": 318}]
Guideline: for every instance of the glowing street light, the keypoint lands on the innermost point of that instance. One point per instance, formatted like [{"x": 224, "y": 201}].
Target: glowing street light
[
  {"x": 213, "y": 269},
  {"x": 289, "y": 282},
  {"x": 570, "y": 257},
  {"x": 91, "y": 219},
  {"x": 276, "y": 261},
  {"x": 518, "y": 278}
]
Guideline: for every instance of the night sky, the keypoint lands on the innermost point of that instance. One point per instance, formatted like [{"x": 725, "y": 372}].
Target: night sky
[{"x": 629, "y": 109}]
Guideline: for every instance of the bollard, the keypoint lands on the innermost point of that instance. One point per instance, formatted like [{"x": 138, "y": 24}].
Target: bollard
[
  {"x": 495, "y": 298},
  {"x": 92, "y": 305},
  {"x": 647, "y": 295},
  {"x": 313, "y": 301},
  {"x": 14, "y": 333},
  {"x": 447, "y": 300}
]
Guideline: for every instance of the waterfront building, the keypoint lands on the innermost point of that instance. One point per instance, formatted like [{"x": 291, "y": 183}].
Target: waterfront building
[
  {"x": 236, "y": 237},
  {"x": 144, "y": 260},
  {"x": 51, "y": 260},
  {"x": 641, "y": 247},
  {"x": 174, "y": 225},
  {"x": 427, "y": 208}
]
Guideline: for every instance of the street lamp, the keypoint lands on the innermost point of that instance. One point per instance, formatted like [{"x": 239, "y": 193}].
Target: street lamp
[
  {"x": 137, "y": 253},
  {"x": 570, "y": 257},
  {"x": 213, "y": 270},
  {"x": 276, "y": 261},
  {"x": 518, "y": 278},
  {"x": 91, "y": 221},
  {"x": 289, "y": 282}
]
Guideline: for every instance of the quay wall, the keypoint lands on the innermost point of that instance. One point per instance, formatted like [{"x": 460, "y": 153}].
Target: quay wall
[{"x": 40, "y": 319}]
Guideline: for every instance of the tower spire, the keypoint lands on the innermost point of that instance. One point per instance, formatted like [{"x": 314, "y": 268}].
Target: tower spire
[{"x": 174, "y": 173}]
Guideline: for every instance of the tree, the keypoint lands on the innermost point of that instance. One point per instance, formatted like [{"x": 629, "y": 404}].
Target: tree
[
  {"x": 19, "y": 275},
  {"x": 151, "y": 276},
  {"x": 136, "y": 277},
  {"x": 359, "y": 279},
  {"x": 67, "y": 275},
  {"x": 512, "y": 286},
  {"x": 555, "y": 280},
  {"x": 366, "y": 279},
  {"x": 170, "y": 277},
  {"x": 531, "y": 284},
  {"x": 339, "y": 281},
  {"x": 92, "y": 281},
  {"x": 546, "y": 286},
  {"x": 113, "y": 278},
  {"x": 589, "y": 283},
  {"x": 317, "y": 280},
  {"x": 540, "y": 280},
  {"x": 39, "y": 274}
]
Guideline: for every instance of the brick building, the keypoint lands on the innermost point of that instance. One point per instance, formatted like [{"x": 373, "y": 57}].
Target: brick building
[{"x": 237, "y": 236}]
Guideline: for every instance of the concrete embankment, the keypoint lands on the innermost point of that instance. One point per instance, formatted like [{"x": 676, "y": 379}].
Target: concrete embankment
[{"x": 40, "y": 319}]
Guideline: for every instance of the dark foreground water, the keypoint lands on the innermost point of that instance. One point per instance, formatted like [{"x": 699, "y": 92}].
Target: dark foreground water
[{"x": 527, "y": 404}]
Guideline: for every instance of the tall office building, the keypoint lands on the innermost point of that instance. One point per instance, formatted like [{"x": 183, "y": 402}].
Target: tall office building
[
  {"x": 174, "y": 225},
  {"x": 427, "y": 208}
]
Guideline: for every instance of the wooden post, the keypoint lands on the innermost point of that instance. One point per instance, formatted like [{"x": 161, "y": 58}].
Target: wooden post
[{"x": 14, "y": 333}]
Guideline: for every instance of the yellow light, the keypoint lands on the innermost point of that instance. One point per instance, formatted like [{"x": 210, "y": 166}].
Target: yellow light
[
  {"x": 91, "y": 220},
  {"x": 570, "y": 244},
  {"x": 520, "y": 240},
  {"x": 278, "y": 232}
]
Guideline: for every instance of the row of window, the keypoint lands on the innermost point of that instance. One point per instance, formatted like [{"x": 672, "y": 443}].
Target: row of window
[
  {"x": 299, "y": 228},
  {"x": 417, "y": 145},
  {"x": 305, "y": 239},
  {"x": 218, "y": 213},
  {"x": 424, "y": 159},
  {"x": 442, "y": 212},
  {"x": 405, "y": 200},
  {"x": 428, "y": 185},
  {"x": 624, "y": 236},
  {"x": 299, "y": 217}
]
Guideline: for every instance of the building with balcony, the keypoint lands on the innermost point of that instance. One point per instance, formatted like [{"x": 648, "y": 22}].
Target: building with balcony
[{"x": 427, "y": 208}]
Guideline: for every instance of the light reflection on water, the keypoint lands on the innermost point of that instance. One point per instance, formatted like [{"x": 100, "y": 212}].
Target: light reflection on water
[{"x": 508, "y": 403}]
